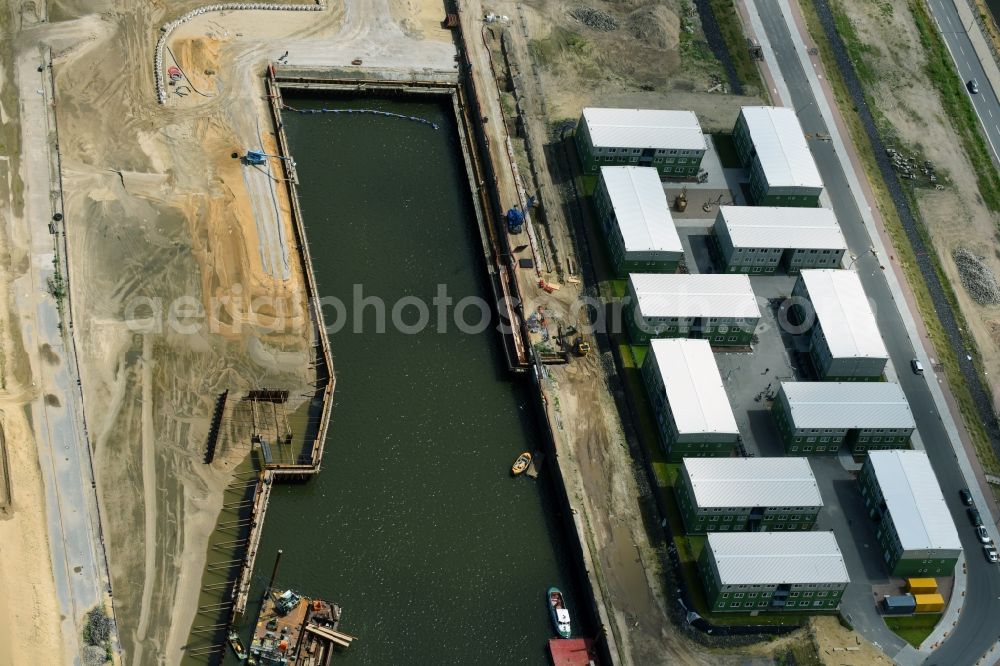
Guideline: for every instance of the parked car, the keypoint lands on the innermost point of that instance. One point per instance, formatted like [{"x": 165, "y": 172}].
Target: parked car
[
  {"x": 918, "y": 367},
  {"x": 974, "y": 516},
  {"x": 982, "y": 534},
  {"x": 973, "y": 86},
  {"x": 966, "y": 496},
  {"x": 991, "y": 552}
]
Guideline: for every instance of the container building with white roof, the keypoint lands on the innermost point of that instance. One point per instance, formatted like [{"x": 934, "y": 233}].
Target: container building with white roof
[
  {"x": 669, "y": 141},
  {"x": 845, "y": 342},
  {"x": 765, "y": 239},
  {"x": 771, "y": 144},
  {"x": 747, "y": 494},
  {"x": 693, "y": 413},
  {"x": 913, "y": 524},
  {"x": 719, "y": 308},
  {"x": 746, "y": 572},
  {"x": 636, "y": 221},
  {"x": 818, "y": 417}
]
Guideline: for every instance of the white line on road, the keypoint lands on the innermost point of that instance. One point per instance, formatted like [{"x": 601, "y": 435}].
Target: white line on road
[
  {"x": 978, "y": 115},
  {"x": 989, "y": 111}
]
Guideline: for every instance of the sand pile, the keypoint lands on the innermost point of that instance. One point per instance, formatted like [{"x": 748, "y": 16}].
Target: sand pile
[{"x": 655, "y": 26}]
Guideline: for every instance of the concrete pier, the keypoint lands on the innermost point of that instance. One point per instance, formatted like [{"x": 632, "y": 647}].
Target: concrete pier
[
  {"x": 325, "y": 378},
  {"x": 261, "y": 497}
]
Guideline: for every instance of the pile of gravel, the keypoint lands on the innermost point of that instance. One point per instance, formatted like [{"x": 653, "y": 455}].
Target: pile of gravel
[
  {"x": 977, "y": 278},
  {"x": 594, "y": 18}
]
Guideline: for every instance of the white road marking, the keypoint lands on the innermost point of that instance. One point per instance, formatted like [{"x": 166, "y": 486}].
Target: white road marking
[{"x": 989, "y": 111}]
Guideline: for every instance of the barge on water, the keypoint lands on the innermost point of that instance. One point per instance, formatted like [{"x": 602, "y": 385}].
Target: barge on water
[{"x": 295, "y": 629}]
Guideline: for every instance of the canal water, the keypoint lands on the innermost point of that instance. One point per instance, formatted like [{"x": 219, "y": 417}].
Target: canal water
[{"x": 415, "y": 525}]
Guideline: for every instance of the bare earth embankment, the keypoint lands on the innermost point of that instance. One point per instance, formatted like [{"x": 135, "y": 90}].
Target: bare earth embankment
[
  {"x": 889, "y": 48},
  {"x": 157, "y": 210}
]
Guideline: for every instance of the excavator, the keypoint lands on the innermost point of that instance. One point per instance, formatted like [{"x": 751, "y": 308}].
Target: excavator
[{"x": 579, "y": 346}]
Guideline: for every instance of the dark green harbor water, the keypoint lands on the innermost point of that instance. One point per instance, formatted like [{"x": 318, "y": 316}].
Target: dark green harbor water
[{"x": 414, "y": 525}]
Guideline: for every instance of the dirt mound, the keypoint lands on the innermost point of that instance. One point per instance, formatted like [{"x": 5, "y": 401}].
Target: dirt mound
[
  {"x": 198, "y": 59},
  {"x": 655, "y": 26}
]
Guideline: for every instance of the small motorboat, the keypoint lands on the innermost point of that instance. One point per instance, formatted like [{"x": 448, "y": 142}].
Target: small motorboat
[
  {"x": 237, "y": 645},
  {"x": 560, "y": 615},
  {"x": 521, "y": 464}
]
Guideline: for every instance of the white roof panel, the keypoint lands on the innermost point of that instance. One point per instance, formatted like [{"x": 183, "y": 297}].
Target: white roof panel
[
  {"x": 750, "y": 482},
  {"x": 644, "y": 128},
  {"x": 777, "y": 558},
  {"x": 641, "y": 208},
  {"x": 848, "y": 405},
  {"x": 694, "y": 386},
  {"x": 914, "y": 500},
  {"x": 781, "y": 147},
  {"x": 788, "y": 228},
  {"x": 842, "y": 309},
  {"x": 697, "y": 295}
]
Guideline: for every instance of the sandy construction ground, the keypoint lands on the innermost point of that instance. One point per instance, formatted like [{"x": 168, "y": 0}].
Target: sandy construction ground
[
  {"x": 29, "y": 609},
  {"x": 838, "y": 646},
  {"x": 577, "y": 67},
  {"x": 655, "y": 57},
  {"x": 955, "y": 217},
  {"x": 157, "y": 211},
  {"x": 164, "y": 226},
  {"x": 29, "y": 613}
]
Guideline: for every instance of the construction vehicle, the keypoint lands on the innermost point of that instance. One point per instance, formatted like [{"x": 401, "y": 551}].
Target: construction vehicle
[
  {"x": 515, "y": 216},
  {"x": 515, "y": 220},
  {"x": 256, "y": 157},
  {"x": 579, "y": 346}
]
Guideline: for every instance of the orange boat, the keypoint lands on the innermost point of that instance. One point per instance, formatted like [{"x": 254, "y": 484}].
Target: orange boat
[{"x": 521, "y": 464}]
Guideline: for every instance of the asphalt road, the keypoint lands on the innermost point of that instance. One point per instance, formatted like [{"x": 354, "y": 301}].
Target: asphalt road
[
  {"x": 956, "y": 36},
  {"x": 977, "y": 630}
]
